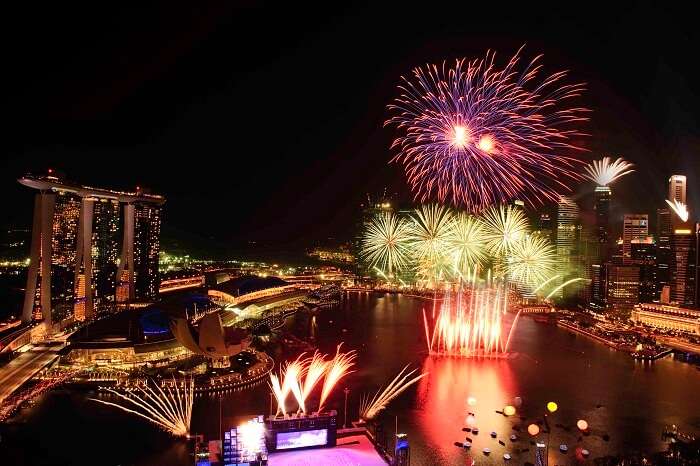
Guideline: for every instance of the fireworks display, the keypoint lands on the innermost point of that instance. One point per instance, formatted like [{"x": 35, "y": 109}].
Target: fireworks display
[
  {"x": 465, "y": 240},
  {"x": 474, "y": 134},
  {"x": 603, "y": 172},
  {"x": 169, "y": 409},
  {"x": 679, "y": 209},
  {"x": 385, "y": 244},
  {"x": 504, "y": 227},
  {"x": 470, "y": 323},
  {"x": 429, "y": 239},
  {"x": 300, "y": 376},
  {"x": 533, "y": 260},
  {"x": 371, "y": 407}
]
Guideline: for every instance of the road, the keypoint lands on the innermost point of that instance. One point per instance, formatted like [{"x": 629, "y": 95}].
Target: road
[
  {"x": 23, "y": 368},
  {"x": 678, "y": 344}
]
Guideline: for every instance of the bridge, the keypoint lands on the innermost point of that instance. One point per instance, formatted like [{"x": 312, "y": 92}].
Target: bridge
[{"x": 18, "y": 371}]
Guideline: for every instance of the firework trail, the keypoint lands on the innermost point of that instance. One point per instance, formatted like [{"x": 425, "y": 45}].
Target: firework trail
[
  {"x": 369, "y": 408},
  {"x": 169, "y": 409},
  {"x": 679, "y": 209},
  {"x": 603, "y": 172},
  {"x": 474, "y": 134}
]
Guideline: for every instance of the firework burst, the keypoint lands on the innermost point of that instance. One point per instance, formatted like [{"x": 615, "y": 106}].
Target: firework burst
[
  {"x": 338, "y": 368},
  {"x": 532, "y": 260},
  {"x": 465, "y": 242},
  {"x": 474, "y": 134},
  {"x": 430, "y": 239},
  {"x": 169, "y": 409},
  {"x": 505, "y": 227},
  {"x": 603, "y": 172},
  {"x": 385, "y": 244}
]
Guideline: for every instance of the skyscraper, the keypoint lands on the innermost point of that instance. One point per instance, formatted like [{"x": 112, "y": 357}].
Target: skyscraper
[
  {"x": 622, "y": 286},
  {"x": 602, "y": 196},
  {"x": 663, "y": 251},
  {"x": 677, "y": 188},
  {"x": 568, "y": 231},
  {"x": 73, "y": 252},
  {"x": 643, "y": 252},
  {"x": 634, "y": 226},
  {"x": 684, "y": 264}
]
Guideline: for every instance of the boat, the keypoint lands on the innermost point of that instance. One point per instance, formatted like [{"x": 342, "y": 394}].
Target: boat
[
  {"x": 487, "y": 451},
  {"x": 506, "y": 456},
  {"x": 467, "y": 444},
  {"x": 475, "y": 430},
  {"x": 585, "y": 453},
  {"x": 494, "y": 434},
  {"x": 563, "y": 448},
  {"x": 513, "y": 437}
]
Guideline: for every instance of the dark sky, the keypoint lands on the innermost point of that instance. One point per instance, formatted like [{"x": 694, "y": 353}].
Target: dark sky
[{"x": 262, "y": 122}]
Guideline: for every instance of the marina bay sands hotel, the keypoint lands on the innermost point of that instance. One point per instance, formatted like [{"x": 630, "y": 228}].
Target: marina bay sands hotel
[{"x": 92, "y": 249}]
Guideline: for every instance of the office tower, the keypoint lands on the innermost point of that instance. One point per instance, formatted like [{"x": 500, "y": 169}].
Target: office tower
[
  {"x": 677, "y": 188},
  {"x": 568, "y": 234},
  {"x": 601, "y": 205},
  {"x": 663, "y": 251},
  {"x": 634, "y": 226},
  {"x": 622, "y": 286},
  {"x": 643, "y": 251},
  {"x": 545, "y": 226},
  {"x": 73, "y": 251},
  {"x": 684, "y": 264},
  {"x": 599, "y": 292}
]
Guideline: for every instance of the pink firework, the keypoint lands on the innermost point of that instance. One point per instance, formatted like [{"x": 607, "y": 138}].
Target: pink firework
[{"x": 475, "y": 135}]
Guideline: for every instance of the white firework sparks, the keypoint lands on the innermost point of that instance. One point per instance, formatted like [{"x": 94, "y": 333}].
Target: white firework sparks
[
  {"x": 679, "y": 209},
  {"x": 504, "y": 227},
  {"x": 466, "y": 242},
  {"x": 532, "y": 260},
  {"x": 169, "y": 409},
  {"x": 430, "y": 234},
  {"x": 369, "y": 408},
  {"x": 603, "y": 172}
]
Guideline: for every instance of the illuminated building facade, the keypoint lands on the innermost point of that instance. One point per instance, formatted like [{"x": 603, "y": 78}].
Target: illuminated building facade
[
  {"x": 643, "y": 251},
  {"x": 663, "y": 252},
  {"x": 622, "y": 286},
  {"x": 677, "y": 188},
  {"x": 73, "y": 254},
  {"x": 602, "y": 195},
  {"x": 683, "y": 265},
  {"x": 568, "y": 235},
  {"x": 634, "y": 227},
  {"x": 667, "y": 317}
]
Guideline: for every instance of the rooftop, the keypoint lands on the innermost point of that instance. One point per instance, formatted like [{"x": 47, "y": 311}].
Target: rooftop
[{"x": 356, "y": 449}]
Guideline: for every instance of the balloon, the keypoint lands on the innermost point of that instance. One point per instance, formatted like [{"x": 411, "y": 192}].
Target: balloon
[
  {"x": 471, "y": 401},
  {"x": 533, "y": 429},
  {"x": 509, "y": 410},
  {"x": 518, "y": 401},
  {"x": 470, "y": 420},
  {"x": 582, "y": 424},
  {"x": 552, "y": 406}
]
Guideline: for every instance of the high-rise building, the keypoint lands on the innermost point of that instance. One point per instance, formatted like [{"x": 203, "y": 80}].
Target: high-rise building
[
  {"x": 601, "y": 205},
  {"x": 73, "y": 254},
  {"x": 622, "y": 286},
  {"x": 677, "y": 188},
  {"x": 599, "y": 292},
  {"x": 684, "y": 257},
  {"x": 643, "y": 251},
  {"x": 568, "y": 235},
  {"x": 663, "y": 251},
  {"x": 634, "y": 226},
  {"x": 545, "y": 226}
]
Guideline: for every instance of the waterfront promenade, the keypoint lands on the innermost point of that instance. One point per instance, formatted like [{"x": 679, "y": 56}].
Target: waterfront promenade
[{"x": 18, "y": 371}]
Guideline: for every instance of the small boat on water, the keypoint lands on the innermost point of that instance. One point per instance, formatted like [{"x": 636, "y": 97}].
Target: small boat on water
[
  {"x": 487, "y": 451},
  {"x": 494, "y": 434},
  {"x": 585, "y": 453},
  {"x": 513, "y": 437},
  {"x": 467, "y": 444},
  {"x": 475, "y": 430},
  {"x": 563, "y": 448},
  {"x": 506, "y": 456}
]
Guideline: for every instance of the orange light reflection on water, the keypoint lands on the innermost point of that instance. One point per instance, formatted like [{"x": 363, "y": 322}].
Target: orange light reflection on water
[{"x": 443, "y": 408}]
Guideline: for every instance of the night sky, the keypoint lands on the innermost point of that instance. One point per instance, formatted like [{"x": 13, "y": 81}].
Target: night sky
[{"x": 260, "y": 122}]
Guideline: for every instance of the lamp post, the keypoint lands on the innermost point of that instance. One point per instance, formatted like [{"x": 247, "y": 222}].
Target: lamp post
[{"x": 345, "y": 414}]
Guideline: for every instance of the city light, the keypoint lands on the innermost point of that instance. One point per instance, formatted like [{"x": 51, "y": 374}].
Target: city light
[{"x": 475, "y": 134}]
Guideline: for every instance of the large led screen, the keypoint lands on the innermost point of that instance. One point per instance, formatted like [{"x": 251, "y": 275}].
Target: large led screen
[{"x": 306, "y": 438}]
